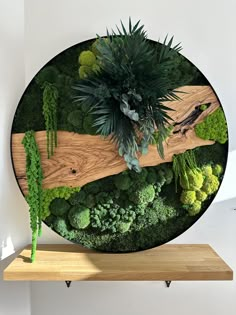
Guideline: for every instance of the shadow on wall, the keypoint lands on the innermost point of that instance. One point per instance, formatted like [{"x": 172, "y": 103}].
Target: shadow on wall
[
  {"x": 227, "y": 189},
  {"x": 14, "y": 223}
]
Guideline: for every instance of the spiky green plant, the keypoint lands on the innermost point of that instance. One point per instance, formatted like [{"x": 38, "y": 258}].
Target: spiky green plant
[
  {"x": 34, "y": 180},
  {"x": 127, "y": 95},
  {"x": 50, "y": 96},
  {"x": 182, "y": 163}
]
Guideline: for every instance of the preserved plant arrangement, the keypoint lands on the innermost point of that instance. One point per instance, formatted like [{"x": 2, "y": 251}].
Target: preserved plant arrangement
[
  {"x": 115, "y": 145},
  {"x": 127, "y": 91}
]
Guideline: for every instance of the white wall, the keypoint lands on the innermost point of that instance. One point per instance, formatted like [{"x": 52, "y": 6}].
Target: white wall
[
  {"x": 206, "y": 30},
  {"x": 14, "y": 231}
]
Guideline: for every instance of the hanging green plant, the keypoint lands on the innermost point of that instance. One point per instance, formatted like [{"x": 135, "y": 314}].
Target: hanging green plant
[
  {"x": 50, "y": 96},
  {"x": 34, "y": 180},
  {"x": 127, "y": 94}
]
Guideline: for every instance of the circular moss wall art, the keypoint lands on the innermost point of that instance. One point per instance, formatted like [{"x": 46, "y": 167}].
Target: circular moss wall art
[{"x": 119, "y": 143}]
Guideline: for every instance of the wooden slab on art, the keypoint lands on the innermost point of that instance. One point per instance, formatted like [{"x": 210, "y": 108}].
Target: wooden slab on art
[
  {"x": 80, "y": 159},
  {"x": 167, "y": 262},
  {"x": 192, "y": 97}
]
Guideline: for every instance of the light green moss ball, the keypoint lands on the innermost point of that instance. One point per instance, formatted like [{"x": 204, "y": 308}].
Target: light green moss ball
[
  {"x": 87, "y": 58},
  {"x": 207, "y": 170},
  {"x": 210, "y": 185},
  {"x": 195, "y": 208},
  {"x": 188, "y": 197},
  {"x": 193, "y": 180},
  {"x": 84, "y": 72},
  {"x": 217, "y": 170},
  {"x": 201, "y": 195}
]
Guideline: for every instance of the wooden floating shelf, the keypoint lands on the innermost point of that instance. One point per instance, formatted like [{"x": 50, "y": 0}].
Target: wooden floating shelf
[{"x": 165, "y": 263}]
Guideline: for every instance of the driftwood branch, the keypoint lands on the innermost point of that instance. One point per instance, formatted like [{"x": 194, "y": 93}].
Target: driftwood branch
[{"x": 80, "y": 159}]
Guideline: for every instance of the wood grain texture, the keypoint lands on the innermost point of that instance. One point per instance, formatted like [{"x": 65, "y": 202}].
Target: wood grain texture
[
  {"x": 194, "y": 96},
  {"x": 80, "y": 159},
  {"x": 72, "y": 262}
]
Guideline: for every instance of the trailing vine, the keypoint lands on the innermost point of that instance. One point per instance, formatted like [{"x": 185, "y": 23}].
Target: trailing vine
[
  {"x": 34, "y": 176},
  {"x": 50, "y": 96}
]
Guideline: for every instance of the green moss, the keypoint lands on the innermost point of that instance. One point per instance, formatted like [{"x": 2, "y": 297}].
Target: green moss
[
  {"x": 143, "y": 194},
  {"x": 89, "y": 201},
  {"x": 88, "y": 125},
  {"x": 87, "y": 58},
  {"x": 201, "y": 195},
  {"x": 184, "y": 72},
  {"x": 79, "y": 217},
  {"x": 195, "y": 208},
  {"x": 213, "y": 127},
  {"x": 184, "y": 164},
  {"x": 85, "y": 72},
  {"x": 29, "y": 114},
  {"x": 144, "y": 238},
  {"x": 167, "y": 172},
  {"x": 123, "y": 227},
  {"x": 160, "y": 211},
  {"x": 50, "y": 220},
  {"x": 48, "y": 74},
  {"x": 192, "y": 181},
  {"x": 85, "y": 108},
  {"x": 139, "y": 177},
  {"x": 62, "y": 227},
  {"x": 206, "y": 170},
  {"x": 217, "y": 170},
  {"x": 58, "y": 192},
  {"x": 76, "y": 118},
  {"x": 151, "y": 177},
  {"x": 203, "y": 107},
  {"x": 214, "y": 154},
  {"x": 108, "y": 215},
  {"x": 94, "y": 187},
  {"x": 188, "y": 197},
  {"x": 77, "y": 198},
  {"x": 122, "y": 182},
  {"x": 59, "y": 206},
  {"x": 211, "y": 184},
  {"x": 148, "y": 224}
]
